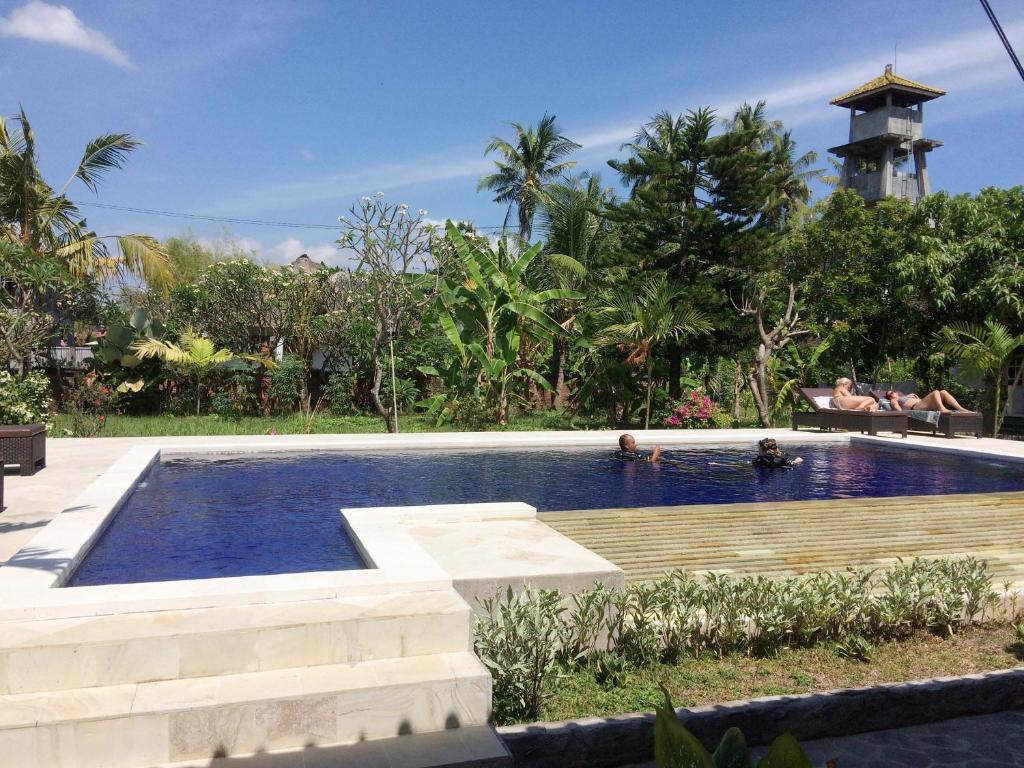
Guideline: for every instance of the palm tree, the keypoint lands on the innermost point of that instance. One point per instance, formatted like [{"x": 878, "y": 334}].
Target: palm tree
[
  {"x": 197, "y": 357},
  {"x": 987, "y": 346},
  {"x": 525, "y": 165},
  {"x": 35, "y": 216},
  {"x": 637, "y": 321},
  {"x": 572, "y": 227},
  {"x": 789, "y": 191}
]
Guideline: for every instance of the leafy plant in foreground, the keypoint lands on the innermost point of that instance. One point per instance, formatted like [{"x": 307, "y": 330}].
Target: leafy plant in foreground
[{"x": 676, "y": 747}]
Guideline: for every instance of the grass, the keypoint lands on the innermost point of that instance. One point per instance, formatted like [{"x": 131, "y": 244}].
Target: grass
[
  {"x": 290, "y": 424},
  {"x": 693, "y": 682}
]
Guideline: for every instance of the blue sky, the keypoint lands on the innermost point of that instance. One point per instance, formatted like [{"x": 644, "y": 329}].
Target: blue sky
[{"x": 292, "y": 111}]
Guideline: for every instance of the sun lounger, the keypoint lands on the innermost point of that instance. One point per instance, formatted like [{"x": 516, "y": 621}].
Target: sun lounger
[
  {"x": 24, "y": 445},
  {"x": 823, "y": 416}
]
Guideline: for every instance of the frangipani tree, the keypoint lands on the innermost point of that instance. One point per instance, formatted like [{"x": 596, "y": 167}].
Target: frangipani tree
[
  {"x": 639, "y": 320},
  {"x": 988, "y": 347},
  {"x": 44, "y": 220},
  {"x": 196, "y": 357}
]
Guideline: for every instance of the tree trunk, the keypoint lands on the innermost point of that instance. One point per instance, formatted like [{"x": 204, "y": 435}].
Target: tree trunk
[
  {"x": 675, "y": 371},
  {"x": 737, "y": 392},
  {"x": 650, "y": 389},
  {"x": 375, "y": 387},
  {"x": 556, "y": 376},
  {"x": 757, "y": 382}
]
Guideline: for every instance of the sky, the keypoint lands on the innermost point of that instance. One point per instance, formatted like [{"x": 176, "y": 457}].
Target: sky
[{"x": 291, "y": 111}]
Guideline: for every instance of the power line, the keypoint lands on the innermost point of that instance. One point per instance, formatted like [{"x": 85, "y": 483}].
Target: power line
[
  {"x": 223, "y": 219},
  {"x": 1002, "y": 36}
]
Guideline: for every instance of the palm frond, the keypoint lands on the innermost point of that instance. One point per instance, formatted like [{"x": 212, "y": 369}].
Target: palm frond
[{"x": 102, "y": 154}]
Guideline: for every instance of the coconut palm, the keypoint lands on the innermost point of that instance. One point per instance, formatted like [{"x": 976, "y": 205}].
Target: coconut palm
[
  {"x": 639, "y": 320},
  {"x": 36, "y": 216},
  {"x": 572, "y": 227},
  {"x": 988, "y": 347},
  {"x": 196, "y": 357},
  {"x": 789, "y": 190},
  {"x": 525, "y": 165}
]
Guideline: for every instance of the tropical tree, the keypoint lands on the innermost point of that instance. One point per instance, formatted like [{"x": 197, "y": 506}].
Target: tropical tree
[
  {"x": 988, "y": 347},
  {"x": 788, "y": 189},
  {"x": 196, "y": 357},
  {"x": 38, "y": 217},
  {"x": 533, "y": 158},
  {"x": 573, "y": 228},
  {"x": 400, "y": 277},
  {"x": 488, "y": 316},
  {"x": 639, "y": 320}
]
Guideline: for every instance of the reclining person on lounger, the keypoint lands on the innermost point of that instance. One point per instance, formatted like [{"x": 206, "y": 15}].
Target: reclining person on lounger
[
  {"x": 937, "y": 400},
  {"x": 847, "y": 401}
]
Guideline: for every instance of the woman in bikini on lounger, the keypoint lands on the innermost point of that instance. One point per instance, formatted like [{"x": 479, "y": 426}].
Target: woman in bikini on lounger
[
  {"x": 847, "y": 401},
  {"x": 937, "y": 400}
]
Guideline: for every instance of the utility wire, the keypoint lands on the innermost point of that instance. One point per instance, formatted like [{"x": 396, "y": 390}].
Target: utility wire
[
  {"x": 1002, "y": 36},
  {"x": 223, "y": 219}
]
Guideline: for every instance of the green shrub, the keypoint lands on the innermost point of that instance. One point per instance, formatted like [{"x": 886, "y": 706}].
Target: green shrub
[
  {"x": 407, "y": 393},
  {"x": 339, "y": 392},
  {"x": 519, "y": 643},
  {"x": 237, "y": 396},
  {"x": 25, "y": 400},
  {"x": 526, "y": 639},
  {"x": 286, "y": 384}
]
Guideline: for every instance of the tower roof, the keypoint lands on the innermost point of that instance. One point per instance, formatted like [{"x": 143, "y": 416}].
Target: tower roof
[{"x": 872, "y": 93}]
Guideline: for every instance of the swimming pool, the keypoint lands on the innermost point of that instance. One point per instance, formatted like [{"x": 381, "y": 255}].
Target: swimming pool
[{"x": 275, "y": 514}]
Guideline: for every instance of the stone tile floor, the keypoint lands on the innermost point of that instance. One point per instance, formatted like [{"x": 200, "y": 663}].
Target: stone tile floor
[{"x": 984, "y": 741}]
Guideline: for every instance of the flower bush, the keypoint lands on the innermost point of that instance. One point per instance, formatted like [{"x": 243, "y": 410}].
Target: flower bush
[
  {"x": 695, "y": 410},
  {"x": 88, "y": 402},
  {"x": 24, "y": 400}
]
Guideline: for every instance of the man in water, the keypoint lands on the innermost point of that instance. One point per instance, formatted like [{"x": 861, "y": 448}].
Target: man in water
[
  {"x": 769, "y": 456},
  {"x": 628, "y": 452}
]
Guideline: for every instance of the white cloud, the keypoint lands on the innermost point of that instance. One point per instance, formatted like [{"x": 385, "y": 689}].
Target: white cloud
[
  {"x": 58, "y": 24},
  {"x": 307, "y": 154},
  {"x": 290, "y": 249}
]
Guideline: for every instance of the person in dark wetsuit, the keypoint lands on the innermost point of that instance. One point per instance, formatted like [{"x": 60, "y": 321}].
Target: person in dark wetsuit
[
  {"x": 770, "y": 457},
  {"x": 628, "y": 452}
]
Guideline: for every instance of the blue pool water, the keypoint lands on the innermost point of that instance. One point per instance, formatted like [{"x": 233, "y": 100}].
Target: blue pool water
[{"x": 200, "y": 518}]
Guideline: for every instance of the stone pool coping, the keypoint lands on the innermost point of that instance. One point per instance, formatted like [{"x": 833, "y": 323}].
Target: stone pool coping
[
  {"x": 628, "y": 739},
  {"x": 399, "y": 562}
]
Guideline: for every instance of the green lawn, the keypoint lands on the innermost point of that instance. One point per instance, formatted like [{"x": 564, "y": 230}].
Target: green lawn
[
  {"x": 693, "y": 682},
  {"x": 291, "y": 424}
]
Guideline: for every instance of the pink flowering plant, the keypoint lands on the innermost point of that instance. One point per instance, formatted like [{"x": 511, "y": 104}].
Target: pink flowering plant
[{"x": 695, "y": 410}]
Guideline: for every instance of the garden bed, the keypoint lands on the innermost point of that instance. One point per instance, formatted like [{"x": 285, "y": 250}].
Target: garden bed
[{"x": 694, "y": 682}]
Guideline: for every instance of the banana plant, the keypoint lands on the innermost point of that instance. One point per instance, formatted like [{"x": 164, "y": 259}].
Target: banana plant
[
  {"x": 799, "y": 368},
  {"x": 196, "y": 357},
  {"x": 488, "y": 315}
]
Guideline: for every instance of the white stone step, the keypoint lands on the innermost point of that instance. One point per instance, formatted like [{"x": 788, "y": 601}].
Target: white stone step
[
  {"x": 145, "y": 724},
  {"x": 59, "y": 654}
]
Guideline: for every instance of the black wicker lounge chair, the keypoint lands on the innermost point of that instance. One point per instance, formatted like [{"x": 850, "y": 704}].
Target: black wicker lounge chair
[
  {"x": 865, "y": 422},
  {"x": 24, "y": 445}
]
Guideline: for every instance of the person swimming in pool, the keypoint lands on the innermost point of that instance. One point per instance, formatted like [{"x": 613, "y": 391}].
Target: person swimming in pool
[
  {"x": 628, "y": 451},
  {"x": 770, "y": 456}
]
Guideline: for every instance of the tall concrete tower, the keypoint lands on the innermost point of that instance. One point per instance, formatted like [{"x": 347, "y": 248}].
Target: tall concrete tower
[{"x": 885, "y": 156}]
